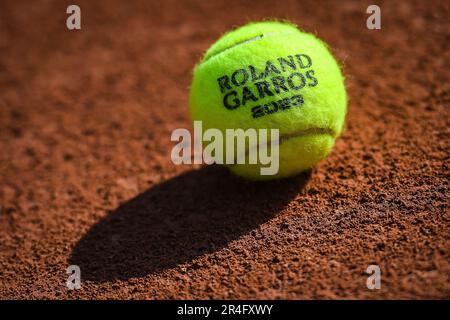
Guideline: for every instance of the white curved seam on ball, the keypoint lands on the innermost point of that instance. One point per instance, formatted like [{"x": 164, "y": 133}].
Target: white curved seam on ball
[
  {"x": 259, "y": 37},
  {"x": 285, "y": 137}
]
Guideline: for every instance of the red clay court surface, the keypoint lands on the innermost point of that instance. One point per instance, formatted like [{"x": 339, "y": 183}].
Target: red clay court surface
[{"x": 86, "y": 176}]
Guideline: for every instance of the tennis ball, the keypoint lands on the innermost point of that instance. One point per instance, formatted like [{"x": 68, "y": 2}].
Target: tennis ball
[{"x": 271, "y": 75}]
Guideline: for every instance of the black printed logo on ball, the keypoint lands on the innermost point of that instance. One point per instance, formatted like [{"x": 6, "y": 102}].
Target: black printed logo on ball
[{"x": 247, "y": 86}]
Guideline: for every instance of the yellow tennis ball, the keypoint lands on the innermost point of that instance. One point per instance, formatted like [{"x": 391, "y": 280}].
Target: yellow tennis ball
[{"x": 271, "y": 75}]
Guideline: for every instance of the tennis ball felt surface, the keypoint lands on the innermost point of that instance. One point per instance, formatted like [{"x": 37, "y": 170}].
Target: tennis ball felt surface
[{"x": 270, "y": 75}]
